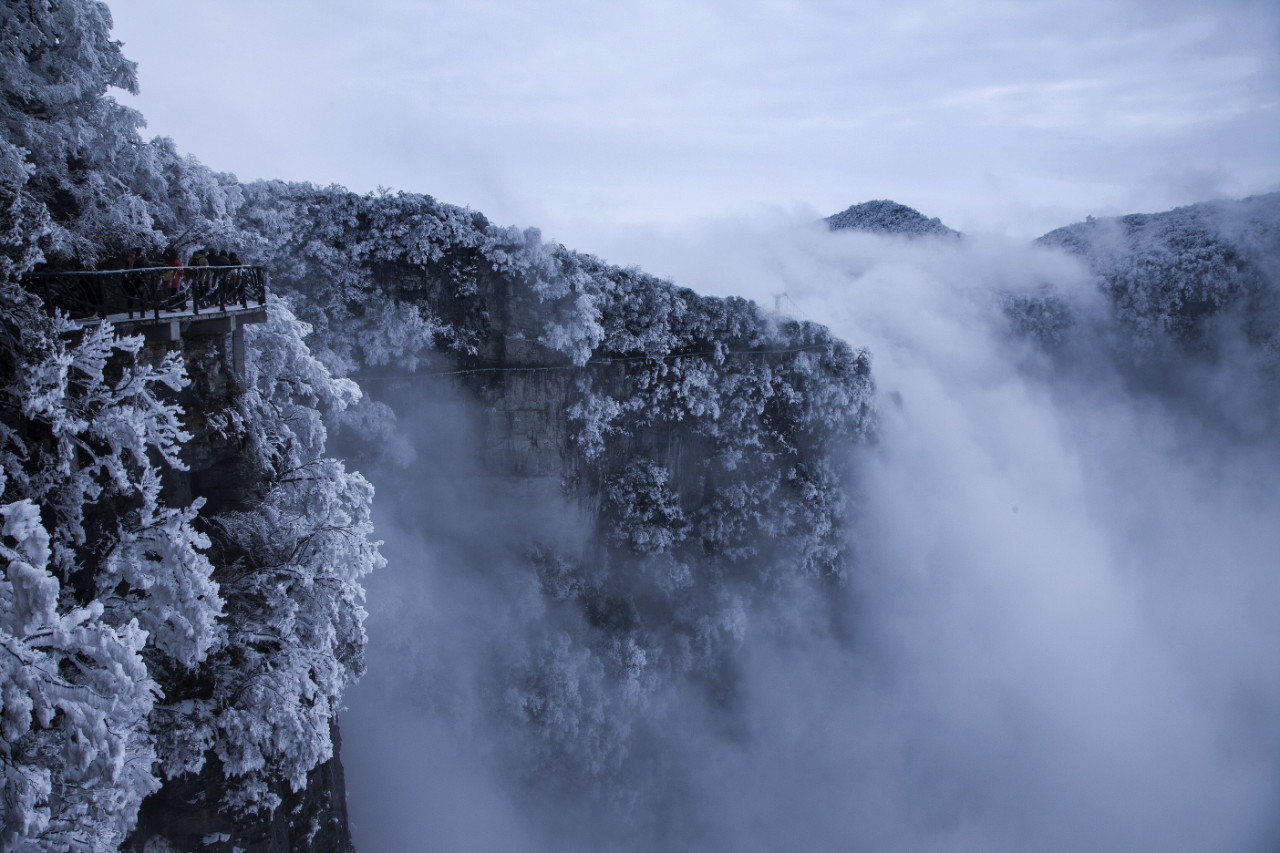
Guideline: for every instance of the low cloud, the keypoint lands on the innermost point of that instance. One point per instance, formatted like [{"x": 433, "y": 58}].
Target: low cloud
[{"x": 1059, "y": 634}]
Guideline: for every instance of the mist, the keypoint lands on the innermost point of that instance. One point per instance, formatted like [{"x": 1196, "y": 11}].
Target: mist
[{"x": 1058, "y": 632}]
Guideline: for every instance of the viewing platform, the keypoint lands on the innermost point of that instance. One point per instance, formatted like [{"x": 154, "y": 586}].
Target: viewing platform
[{"x": 161, "y": 303}]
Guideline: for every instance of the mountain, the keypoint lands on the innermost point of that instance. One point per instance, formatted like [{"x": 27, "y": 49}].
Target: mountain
[
  {"x": 1182, "y": 306},
  {"x": 636, "y": 480},
  {"x": 888, "y": 217},
  {"x": 1179, "y": 274}
]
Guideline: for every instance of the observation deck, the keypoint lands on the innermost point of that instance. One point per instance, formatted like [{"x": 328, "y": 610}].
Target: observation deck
[{"x": 161, "y": 303}]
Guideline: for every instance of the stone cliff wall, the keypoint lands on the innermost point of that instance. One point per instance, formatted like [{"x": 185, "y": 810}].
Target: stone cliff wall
[{"x": 184, "y": 815}]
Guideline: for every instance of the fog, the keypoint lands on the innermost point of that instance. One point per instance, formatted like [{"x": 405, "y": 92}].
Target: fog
[{"x": 1059, "y": 632}]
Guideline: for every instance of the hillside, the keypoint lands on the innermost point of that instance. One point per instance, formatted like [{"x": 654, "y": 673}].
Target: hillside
[
  {"x": 1182, "y": 273},
  {"x": 695, "y": 437}
]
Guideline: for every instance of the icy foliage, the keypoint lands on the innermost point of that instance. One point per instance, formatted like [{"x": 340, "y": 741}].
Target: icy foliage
[
  {"x": 595, "y": 416},
  {"x": 709, "y": 433},
  {"x": 756, "y": 402},
  {"x": 107, "y": 430},
  {"x": 1183, "y": 305},
  {"x": 23, "y": 221},
  {"x": 1177, "y": 277},
  {"x": 365, "y": 264},
  {"x": 888, "y": 217},
  {"x": 295, "y": 636},
  {"x": 1042, "y": 315},
  {"x": 106, "y": 584},
  {"x": 647, "y": 519},
  {"x": 576, "y": 328},
  {"x": 126, "y": 659},
  {"x": 578, "y": 723},
  {"x": 390, "y": 278},
  {"x": 759, "y": 395},
  {"x": 288, "y": 391},
  {"x": 74, "y": 747},
  {"x": 102, "y": 188},
  {"x": 702, "y": 434}
]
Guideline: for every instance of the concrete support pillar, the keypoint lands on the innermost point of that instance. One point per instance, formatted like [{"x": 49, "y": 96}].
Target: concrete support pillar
[
  {"x": 155, "y": 333},
  {"x": 237, "y": 351}
]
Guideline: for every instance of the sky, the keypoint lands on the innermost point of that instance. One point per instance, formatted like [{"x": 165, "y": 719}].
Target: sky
[{"x": 589, "y": 119}]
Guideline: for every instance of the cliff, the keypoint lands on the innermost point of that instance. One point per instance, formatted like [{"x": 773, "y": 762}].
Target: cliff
[
  {"x": 701, "y": 440},
  {"x": 183, "y": 551}
]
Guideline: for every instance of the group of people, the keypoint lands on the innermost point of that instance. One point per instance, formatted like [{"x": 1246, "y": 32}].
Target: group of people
[{"x": 180, "y": 278}]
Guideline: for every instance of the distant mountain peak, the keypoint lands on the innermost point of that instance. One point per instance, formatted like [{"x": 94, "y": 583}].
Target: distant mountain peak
[{"x": 888, "y": 217}]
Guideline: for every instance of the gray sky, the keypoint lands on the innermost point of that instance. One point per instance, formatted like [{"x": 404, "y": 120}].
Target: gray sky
[{"x": 584, "y": 118}]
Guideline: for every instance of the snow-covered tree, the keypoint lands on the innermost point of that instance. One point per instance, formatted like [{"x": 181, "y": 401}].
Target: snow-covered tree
[
  {"x": 106, "y": 585},
  {"x": 23, "y": 220},
  {"x": 292, "y": 561},
  {"x": 102, "y": 186},
  {"x": 1172, "y": 277},
  {"x": 75, "y": 750}
]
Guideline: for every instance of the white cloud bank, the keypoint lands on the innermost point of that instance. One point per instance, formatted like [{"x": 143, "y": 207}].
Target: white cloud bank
[{"x": 1060, "y": 635}]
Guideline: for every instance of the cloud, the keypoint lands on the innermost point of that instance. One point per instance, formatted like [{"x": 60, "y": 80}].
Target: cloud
[
  {"x": 1063, "y": 636},
  {"x": 1059, "y": 634}
]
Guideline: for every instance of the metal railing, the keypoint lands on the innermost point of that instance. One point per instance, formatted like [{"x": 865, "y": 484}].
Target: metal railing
[{"x": 150, "y": 291}]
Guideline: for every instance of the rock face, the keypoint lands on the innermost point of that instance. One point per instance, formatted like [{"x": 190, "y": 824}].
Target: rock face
[
  {"x": 185, "y": 816},
  {"x": 888, "y": 217}
]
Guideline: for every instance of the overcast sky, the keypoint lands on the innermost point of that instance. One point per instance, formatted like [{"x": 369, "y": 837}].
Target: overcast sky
[{"x": 583, "y": 118}]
